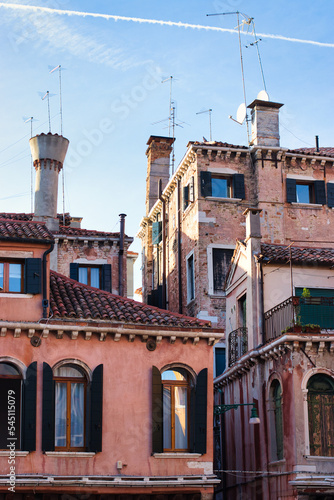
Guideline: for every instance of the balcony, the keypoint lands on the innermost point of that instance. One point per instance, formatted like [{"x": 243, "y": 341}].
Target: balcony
[
  {"x": 237, "y": 344},
  {"x": 301, "y": 314}
]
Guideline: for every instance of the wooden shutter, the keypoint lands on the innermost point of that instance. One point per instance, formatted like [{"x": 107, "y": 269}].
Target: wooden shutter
[
  {"x": 74, "y": 271},
  {"x": 206, "y": 188},
  {"x": 201, "y": 411},
  {"x": 156, "y": 232},
  {"x": 157, "y": 412},
  {"x": 291, "y": 195},
  {"x": 106, "y": 278},
  {"x": 33, "y": 276},
  {"x": 239, "y": 186},
  {"x": 96, "y": 402},
  {"x": 48, "y": 411},
  {"x": 320, "y": 192},
  {"x": 185, "y": 197},
  {"x": 29, "y": 409},
  {"x": 330, "y": 194}
]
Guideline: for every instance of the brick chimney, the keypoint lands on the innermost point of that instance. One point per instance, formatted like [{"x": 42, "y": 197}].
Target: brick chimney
[
  {"x": 158, "y": 157},
  {"x": 48, "y": 152},
  {"x": 265, "y": 123}
]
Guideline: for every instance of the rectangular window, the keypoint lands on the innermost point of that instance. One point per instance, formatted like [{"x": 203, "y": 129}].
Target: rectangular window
[
  {"x": 188, "y": 193},
  {"x": 305, "y": 192},
  {"x": 89, "y": 275},
  {"x": 190, "y": 278},
  {"x": 221, "y": 258},
  {"x": 222, "y": 186},
  {"x": 11, "y": 276}
]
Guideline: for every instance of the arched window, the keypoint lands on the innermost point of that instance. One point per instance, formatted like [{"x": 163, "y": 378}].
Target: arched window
[
  {"x": 70, "y": 407},
  {"x": 18, "y": 405},
  {"x": 176, "y": 398},
  {"x": 320, "y": 400},
  {"x": 179, "y": 410},
  {"x": 276, "y": 421}
]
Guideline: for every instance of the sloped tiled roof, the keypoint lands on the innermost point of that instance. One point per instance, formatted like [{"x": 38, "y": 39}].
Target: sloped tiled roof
[
  {"x": 300, "y": 255},
  {"x": 79, "y": 232},
  {"x": 217, "y": 144},
  {"x": 29, "y": 216},
  {"x": 312, "y": 151},
  {"x": 23, "y": 230},
  {"x": 72, "y": 300}
]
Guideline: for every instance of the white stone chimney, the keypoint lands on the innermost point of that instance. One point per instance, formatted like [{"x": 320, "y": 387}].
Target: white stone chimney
[
  {"x": 265, "y": 123},
  {"x": 48, "y": 153}
]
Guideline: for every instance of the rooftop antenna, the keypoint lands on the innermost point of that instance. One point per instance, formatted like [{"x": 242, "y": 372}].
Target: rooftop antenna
[
  {"x": 207, "y": 111},
  {"x": 51, "y": 70},
  {"x": 170, "y": 78},
  {"x": 47, "y": 96},
  {"x": 256, "y": 44},
  {"x": 27, "y": 120}
]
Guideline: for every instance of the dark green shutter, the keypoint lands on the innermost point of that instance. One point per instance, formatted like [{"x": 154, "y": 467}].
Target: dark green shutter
[
  {"x": 33, "y": 276},
  {"x": 74, "y": 271},
  {"x": 157, "y": 411},
  {"x": 330, "y": 194},
  {"x": 106, "y": 277},
  {"x": 29, "y": 409},
  {"x": 185, "y": 197},
  {"x": 239, "y": 186},
  {"x": 206, "y": 188},
  {"x": 156, "y": 232},
  {"x": 48, "y": 411},
  {"x": 320, "y": 192},
  {"x": 96, "y": 402},
  {"x": 201, "y": 411},
  {"x": 291, "y": 195}
]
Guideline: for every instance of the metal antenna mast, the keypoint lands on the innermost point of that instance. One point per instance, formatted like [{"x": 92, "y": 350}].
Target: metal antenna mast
[
  {"x": 207, "y": 111},
  {"x": 60, "y": 97},
  {"x": 27, "y": 120},
  {"x": 170, "y": 78}
]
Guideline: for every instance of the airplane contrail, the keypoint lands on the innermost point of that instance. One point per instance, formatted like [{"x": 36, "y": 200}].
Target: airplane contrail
[{"x": 36, "y": 8}]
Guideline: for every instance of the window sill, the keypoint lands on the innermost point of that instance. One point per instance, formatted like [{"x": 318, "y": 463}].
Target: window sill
[
  {"x": 316, "y": 458},
  {"x": 18, "y": 453},
  {"x": 224, "y": 200},
  {"x": 316, "y": 206},
  {"x": 170, "y": 454},
  {"x": 70, "y": 454},
  {"x": 277, "y": 462},
  {"x": 191, "y": 301},
  {"x": 14, "y": 295},
  {"x": 217, "y": 295}
]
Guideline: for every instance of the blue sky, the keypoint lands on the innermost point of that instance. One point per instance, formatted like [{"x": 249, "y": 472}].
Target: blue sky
[{"x": 112, "y": 91}]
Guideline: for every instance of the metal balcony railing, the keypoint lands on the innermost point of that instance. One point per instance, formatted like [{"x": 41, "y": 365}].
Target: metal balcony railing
[{"x": 237, "y": 344}]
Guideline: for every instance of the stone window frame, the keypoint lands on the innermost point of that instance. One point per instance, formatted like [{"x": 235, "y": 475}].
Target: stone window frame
[{"x": 209, "y": 251}]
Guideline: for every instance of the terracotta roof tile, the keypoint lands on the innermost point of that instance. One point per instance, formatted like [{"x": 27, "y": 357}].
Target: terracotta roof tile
[
  {"x": 75, "y": 231},
  {"x": 19, "y": 230},
  {"x": 70, "y": 299},
  {"x": 300, "y": 255},
  {"x": 311, "y": 151},
  {"x": 217, "y": 144}
]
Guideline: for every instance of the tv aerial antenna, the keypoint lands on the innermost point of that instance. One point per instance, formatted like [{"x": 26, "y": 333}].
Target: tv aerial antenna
[
  {"x": 27, "y": 120},
  {"x": 241, "y": 24},
  {"x": 52, "y": 70},
  {"x": 46, "y": 95},
  {"x": 207, "y": 111}
]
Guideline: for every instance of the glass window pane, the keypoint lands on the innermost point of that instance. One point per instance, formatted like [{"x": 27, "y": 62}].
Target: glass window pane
[
  {"x": 167, "y": 420},
  {"x": 83, "y": 275},
  {"x": 1, "y": 276},
  {"x": 68, "y": 371},
  {"x": 95, "y": 277},
  {"x": 303, "y": 193},
  {"x": 77, "y": 415},
  {"x": 181, "y": 427},
  {"x": 15, "y": 277},
  {"x": 7, "y": 369},
  {"x": 220, "y": 187},
  {"x": 174, "y": 374},
  {"x": 60, "y": 427}
]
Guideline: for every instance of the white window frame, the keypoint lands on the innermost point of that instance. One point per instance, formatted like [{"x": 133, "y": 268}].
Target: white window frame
[
  {"x": 210, "y": 266},
  {"x": 189, "y": 298}
]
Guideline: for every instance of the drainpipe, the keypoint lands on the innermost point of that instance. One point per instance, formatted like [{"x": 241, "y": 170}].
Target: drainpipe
[
  {"x": 261, "y": 301},
  {"x": 120, "y": 254},
  {"x": 45, "y": 301},
  {"x": 179, "y": 257},
  {"x": 164, "y": 288}
]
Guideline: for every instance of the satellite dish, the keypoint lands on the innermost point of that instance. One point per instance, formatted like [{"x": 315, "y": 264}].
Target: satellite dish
[
  {"x": 241, "y": 113},
  {"x": 263, "y": 95}
]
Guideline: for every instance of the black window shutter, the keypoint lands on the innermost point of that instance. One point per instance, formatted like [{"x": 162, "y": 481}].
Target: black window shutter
[
  {"x": 157, "y": 411},
  {"x": 206, "y": 188},
  {"x": 201, "y": 411},
  {"x": 239, "y": 186},
  {"x": 106, "y": 277},
  {"x": 291, "y": 195},
  {"x": 33, "y": 276},
  {"x": 330, "y": 194},
  {"x": 320, "y": 192},
  {"x": 74, "y": 271},
  {"x": 29, "y": 409},
  {"x": 96, "y": 402},
  {"x": 48, "y": 419},
  {"x": 185, "y": 197}
]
